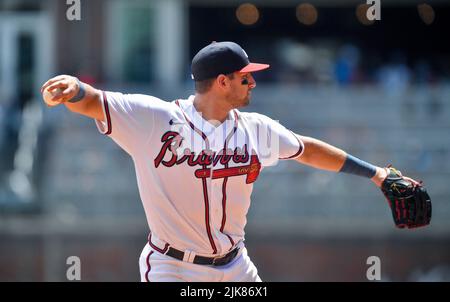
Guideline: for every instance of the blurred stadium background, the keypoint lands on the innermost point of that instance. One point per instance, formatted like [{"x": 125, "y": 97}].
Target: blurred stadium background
[{"x": 380, "y": 90}]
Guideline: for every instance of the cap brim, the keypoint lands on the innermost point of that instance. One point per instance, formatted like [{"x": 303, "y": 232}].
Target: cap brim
[{"x": 252, "y": 67}]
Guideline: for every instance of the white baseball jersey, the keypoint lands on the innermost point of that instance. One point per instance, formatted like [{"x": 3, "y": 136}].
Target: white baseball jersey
[{"x": 194, "y": 179}]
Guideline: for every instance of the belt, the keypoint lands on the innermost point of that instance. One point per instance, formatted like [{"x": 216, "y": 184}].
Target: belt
[
  {"x": 216, "y": 261},
  {"x": 177, "y": 254}
]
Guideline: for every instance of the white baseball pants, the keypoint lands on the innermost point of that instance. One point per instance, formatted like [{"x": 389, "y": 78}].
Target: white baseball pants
[{"x": 157, "y": 267}]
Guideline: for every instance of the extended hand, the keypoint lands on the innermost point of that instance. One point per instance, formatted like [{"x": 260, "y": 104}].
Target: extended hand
[{"x": 68, "y": 85}]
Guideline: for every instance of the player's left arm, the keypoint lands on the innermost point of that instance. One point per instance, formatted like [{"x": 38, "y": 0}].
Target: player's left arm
[
  {"x": 409, "y": 201},
  {"x": 321, "y": 155}
]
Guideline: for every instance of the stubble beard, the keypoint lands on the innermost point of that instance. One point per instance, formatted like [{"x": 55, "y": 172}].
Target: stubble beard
[
  {"x": 239, "y": 103},
  {"x": 245, "y": 101}
]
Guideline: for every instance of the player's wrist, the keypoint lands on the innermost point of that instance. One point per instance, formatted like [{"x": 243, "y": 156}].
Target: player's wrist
[
  {"x": 80, "y": 94},
  {"x": 356, "y": 166},
  {"x": 380, "y": 176}
]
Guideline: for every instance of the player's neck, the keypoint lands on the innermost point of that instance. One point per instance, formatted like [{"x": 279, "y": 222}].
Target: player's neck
[{"x": 211, "y": 109}]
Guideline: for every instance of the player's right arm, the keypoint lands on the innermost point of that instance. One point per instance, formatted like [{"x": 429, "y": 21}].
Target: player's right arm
[{"x": 90, "y": 105}]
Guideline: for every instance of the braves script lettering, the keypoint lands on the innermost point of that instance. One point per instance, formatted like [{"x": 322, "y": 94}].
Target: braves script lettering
[{"x": 172, "y": 141}]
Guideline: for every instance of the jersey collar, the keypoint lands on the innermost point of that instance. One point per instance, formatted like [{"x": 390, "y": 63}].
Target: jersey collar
[{"x": 208, "y": 131}]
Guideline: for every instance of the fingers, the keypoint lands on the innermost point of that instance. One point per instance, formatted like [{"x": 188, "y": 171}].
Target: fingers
[
  {"x": 414, "y": 182},
  {"x": 66, "y": 84},
  {"x": 55, "y": 80},
  {"x": 62, "y": 85},
  {"x": 59, "y": 84},
  {"x": 68, "y": 90},
  {"x": 52, "y": 80},
  {"x": 66, "y": 95}
]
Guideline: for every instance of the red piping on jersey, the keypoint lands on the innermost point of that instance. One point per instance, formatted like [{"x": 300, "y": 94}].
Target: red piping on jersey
[
  {"x": 225, "y": 180},
  {"x": 205, "y": 189},
  {"x": 108, "y": 116},
  {"x": 203, "y": 135},
  {"x": 162, "y": 251},
  {"x": 300, "y": 148},
  {"x": 148, "y": 266},
  {"x": 208, "y": 228}
]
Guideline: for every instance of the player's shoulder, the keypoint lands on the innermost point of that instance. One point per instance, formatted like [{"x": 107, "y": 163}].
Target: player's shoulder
[
  {"x": 254, "y": 117},
  {"x": 150, "y": 101},
  {"x": 183, "y": 103},
  {"x": 140, "y": 101}
]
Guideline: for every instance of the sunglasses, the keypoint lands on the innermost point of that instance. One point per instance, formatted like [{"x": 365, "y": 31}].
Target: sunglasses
[{"x": 244, "y": 82}]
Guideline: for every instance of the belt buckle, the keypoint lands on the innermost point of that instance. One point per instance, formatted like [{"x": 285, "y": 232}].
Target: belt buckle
[
  {"x": 225, "y": 259},
  {"x": 219, "y": 261}
]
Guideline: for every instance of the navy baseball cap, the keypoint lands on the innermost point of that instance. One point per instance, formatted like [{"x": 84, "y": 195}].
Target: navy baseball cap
[{"x": 222, "y": 58}]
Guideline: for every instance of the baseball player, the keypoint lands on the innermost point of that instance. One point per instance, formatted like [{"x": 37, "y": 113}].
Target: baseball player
[{"x": 196, "y": 160}]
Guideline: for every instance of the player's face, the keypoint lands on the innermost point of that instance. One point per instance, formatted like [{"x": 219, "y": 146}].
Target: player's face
[{"x": 241, "y": 89}]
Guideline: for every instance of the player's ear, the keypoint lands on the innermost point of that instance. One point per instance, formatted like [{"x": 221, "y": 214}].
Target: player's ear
[{"x": 223, "y": 81}]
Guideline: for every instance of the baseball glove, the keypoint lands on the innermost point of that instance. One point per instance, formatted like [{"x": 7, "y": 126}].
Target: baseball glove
[{"x": 410, "y": 203}]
